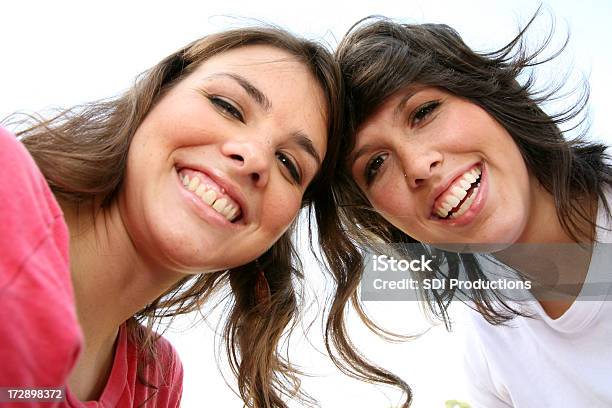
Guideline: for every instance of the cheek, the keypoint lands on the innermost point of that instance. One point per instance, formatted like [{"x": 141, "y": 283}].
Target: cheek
[
  {"x": 395, "y": 203},
  {"x": 179, "y": 120},
  {"x": 279, "y": 211}
]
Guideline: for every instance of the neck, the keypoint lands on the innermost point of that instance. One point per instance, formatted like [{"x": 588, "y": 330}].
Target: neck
[
  {"x": 543, "y": 224},
  {"x": 549, "y": 256},
  {"x": 112, "y": 282}
]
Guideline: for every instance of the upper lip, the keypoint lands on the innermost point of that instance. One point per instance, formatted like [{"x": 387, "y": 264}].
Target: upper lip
[
  {"x": 231, "y": 189},
  {"x": 439, "y": 189}
]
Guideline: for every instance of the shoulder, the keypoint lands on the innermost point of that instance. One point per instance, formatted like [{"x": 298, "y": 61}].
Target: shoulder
[
  {"x": 7, "y": 140},
  {"x": 155, "y": 379},
  {"x": 168, "y": 354},
  {"x": 169, "y": 374},
  {"x": 36, "y": 296},
  {"x": 29, "y": 212},
  {"x": 167, "y": 369},
  {"x": 13, "y": 153},
  {"x": 21, "y": 179}
]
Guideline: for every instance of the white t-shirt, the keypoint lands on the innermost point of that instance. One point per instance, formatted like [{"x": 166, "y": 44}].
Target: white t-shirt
[{"x": 543, "y": 362}]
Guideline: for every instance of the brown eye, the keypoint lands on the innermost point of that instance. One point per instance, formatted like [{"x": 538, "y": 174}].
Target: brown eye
[
  {"x": 373, "y": 166},
  {"x": 290, "y": 166},
  {"x": 422, "y": 112}
]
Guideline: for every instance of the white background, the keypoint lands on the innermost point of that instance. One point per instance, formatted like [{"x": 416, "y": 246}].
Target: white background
[{"x": 63, "y": 53}]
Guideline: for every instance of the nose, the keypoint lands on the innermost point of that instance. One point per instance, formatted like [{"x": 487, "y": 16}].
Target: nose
[
  {"x": 249, "y": 158},
  {"x": 420, "y": 164}
]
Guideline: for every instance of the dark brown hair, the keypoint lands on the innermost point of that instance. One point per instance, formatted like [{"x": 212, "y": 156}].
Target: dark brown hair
[
  {"x": 82, "y": 153},
  {"x": 379, "y": 57}
]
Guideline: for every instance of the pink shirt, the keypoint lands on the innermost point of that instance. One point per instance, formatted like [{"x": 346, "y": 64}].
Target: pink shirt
[
  {"x": 123, "y": 388},
  {"x": 40, "y": 338}
]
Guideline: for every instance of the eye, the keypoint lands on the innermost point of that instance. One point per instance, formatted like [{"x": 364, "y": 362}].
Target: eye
[
  {"x": 290, "y": 167},
  {"x": 373, "y": 166},
  {"x": 226, "y": 107},
  {"x": 423, "y": 111}
]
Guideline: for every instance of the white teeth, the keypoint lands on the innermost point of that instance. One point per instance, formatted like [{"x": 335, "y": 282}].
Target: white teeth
[
  {"x": 223, "y": 206},
  {"x": 466, "y": 205},
  {"x": 220, "y": 204},
  {"x": 233, "y": 214},
  {"x": 441, "y": 213},
  {"x": 465, "y": 184},
  {"x": 459, "y": 192},
  {"x": 209, "y": 197},
  {"x": 200, "y": 190},
  {"x": 193, "y": 184},
  {"x": 470, "y": 177},
  {"x": 227, "y": 211},
  {"x": 452, "y": 201}
]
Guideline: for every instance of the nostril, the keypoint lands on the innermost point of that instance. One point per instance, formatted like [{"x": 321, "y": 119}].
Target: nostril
[
  {"x": 237, "y": 157},
  {"x": 255, "y": 177},
  {"x": 418, "y": 182}
]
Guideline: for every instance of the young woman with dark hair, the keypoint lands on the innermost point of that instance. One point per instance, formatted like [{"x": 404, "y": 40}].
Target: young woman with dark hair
[{"x": 448, "y": 146}]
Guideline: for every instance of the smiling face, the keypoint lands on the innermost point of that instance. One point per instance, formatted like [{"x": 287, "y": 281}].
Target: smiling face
[
  {"x": 442, "y": 170},
  {"x": 217, "y": 170}
]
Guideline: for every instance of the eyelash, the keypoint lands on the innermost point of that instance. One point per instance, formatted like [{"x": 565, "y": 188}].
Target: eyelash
[
  {"x": 373, "y": 166},
  {"x": 290, "y": 166},
  {"x": 422, "y": 112},
  {"x": 226, "y": 107}
]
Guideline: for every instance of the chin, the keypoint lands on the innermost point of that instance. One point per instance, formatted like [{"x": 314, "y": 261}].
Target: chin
[
  {"x": 502, "y": 239},
  {"x": 488, "y": 240},
  {"x": 205, "y": 258}
]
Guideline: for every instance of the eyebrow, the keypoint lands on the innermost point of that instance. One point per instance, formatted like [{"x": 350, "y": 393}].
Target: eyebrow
[
  {"x": 259, "y": 97},
  {"x": 305, "y": 143},
  {"x": 354, "y": 156},
  {"x": 402, "y": 104}
]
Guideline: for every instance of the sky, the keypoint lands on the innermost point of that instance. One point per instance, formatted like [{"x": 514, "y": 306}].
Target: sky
[{"x": 62, "y": 53}]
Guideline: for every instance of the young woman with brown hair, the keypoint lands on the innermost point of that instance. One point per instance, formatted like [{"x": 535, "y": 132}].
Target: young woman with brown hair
[{"x": 186, "y": 184}]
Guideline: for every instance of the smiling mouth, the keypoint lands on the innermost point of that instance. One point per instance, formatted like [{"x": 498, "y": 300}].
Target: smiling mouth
[
  {"x": 458, "y": 198},
  {"x": 211, "y": 194}
]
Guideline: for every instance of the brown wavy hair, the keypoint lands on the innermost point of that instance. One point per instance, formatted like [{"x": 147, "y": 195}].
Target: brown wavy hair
[
  {"x": 379, "y": 57},
  {"x": 82, "y": 152}
]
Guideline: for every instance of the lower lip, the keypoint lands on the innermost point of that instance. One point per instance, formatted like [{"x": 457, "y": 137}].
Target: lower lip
[
  {"x": 477, "y": 205},
  {"x": 202, "y": 210}
]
